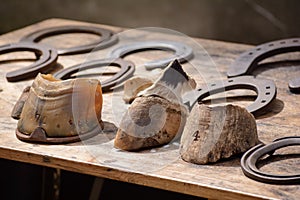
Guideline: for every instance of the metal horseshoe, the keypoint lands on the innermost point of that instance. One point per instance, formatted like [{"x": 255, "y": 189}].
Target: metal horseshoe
[
  {"x": 265, "y": 89},
  {"x": 107, "y": 39},
  {"x": 251, "y": 157},
  {"x": 182, "y": 52},
  {"x": 126, "y": 70},
  {"x": 47, "y": 57},
  {"x": 248, "y": 61}
]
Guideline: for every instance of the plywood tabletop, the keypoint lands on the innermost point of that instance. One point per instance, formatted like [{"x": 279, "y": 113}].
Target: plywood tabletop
[{"x": 159, "y": 167}]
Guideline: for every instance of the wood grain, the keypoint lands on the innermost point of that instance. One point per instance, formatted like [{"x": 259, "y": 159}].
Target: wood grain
[{"x": 160, "y": 167}]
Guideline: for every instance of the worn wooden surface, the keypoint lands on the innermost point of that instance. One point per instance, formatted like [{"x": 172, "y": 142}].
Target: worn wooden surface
[{"x": 160, "y": 167}]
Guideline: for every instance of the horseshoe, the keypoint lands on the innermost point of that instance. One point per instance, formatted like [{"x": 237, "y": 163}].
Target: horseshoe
[
  {"x": 126, "y": 70},
  {"x": 47, "y": 57},
  {"x": 265, "y": 89},
  {"x": 182, "y": 52},
  {"x": 250, "y": 158},
  {"x": 107, "y": 38},
  {"x": 248, "y": 61}
]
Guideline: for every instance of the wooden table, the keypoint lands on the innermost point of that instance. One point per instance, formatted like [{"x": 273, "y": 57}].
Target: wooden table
[{"x": 160, "y": 167}]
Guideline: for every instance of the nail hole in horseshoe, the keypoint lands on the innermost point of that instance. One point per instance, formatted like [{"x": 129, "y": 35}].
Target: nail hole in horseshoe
[
  {"x": 213, "y": 84},
  {"x": 246, "y": 91},
  {"x": 230, "y": 80},
  {"x": 268, "y": 87},
  {"x": 246, "y": 65},
  {"x": 250, "y": 53},
  {"x": 267, "y": 93},
  {"x": 263, "y": 101},
  {"x": 270, "y": 45}
]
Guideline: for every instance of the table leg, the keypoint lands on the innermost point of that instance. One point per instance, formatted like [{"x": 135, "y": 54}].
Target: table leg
[
  {"x": 50, "y": 183},
  {"x": 96, "y": 189}
]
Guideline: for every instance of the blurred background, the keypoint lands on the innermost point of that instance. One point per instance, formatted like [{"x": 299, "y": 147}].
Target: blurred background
[{"x": 243, "y": 21}]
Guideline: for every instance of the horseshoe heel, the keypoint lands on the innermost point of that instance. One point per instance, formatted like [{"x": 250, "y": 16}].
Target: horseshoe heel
[
  {"x": 47, "y": 57},
  {"x": 294, "y": 85},
  {"x": 248, "y": 61},
  {"x": 182, "y": 52}
]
